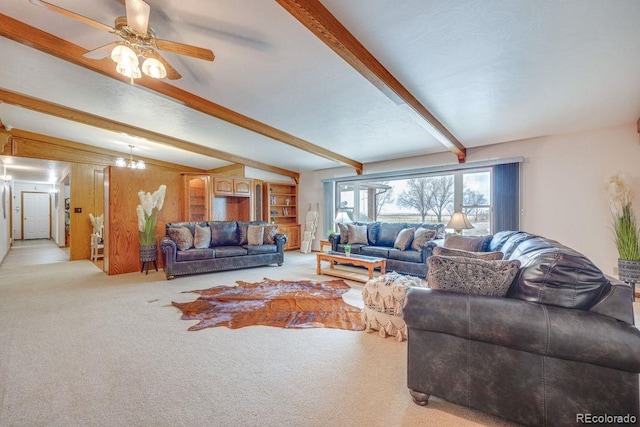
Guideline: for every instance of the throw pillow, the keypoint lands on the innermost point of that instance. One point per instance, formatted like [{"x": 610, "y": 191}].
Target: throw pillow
[
  {"x": 467, "y": 243},
  {"x": 182, "y": 237},
  {"x": 202, "y": 238},
  {"x": 421, "y": 237},
  {"x": 357, "y": 234},
  {"x": 471, "y": 275},
  {"x": 404, "y": 239},
  {"x": 269, "y": 234},
  {"x": 487, "y": 256},
  {"x": 255, "y": 235},
  {"x": 344, "y": 233}
]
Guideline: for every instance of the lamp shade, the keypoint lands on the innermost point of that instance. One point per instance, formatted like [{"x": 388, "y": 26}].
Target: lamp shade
[
  {"x": 124, "y": 55},
  {"x": 459, "y": 222},
  {"x": 342, "y": 218},
  {"x": 132, "y": 71},
  {"x": 154, "y": 68}
]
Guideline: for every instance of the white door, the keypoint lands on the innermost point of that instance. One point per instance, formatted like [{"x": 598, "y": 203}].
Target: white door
[{"x": 36, "y": 214}]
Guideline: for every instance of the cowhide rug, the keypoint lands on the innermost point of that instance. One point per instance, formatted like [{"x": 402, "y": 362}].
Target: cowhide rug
[{"x": 284, "y": 304}]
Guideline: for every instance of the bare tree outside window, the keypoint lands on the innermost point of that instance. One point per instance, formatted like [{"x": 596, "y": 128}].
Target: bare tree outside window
[
  {"x": 432, "y": 194},
  {"x": 474, "y": 202}
]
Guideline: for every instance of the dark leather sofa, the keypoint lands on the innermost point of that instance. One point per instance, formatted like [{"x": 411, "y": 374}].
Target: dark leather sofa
[
  {"x": 381, "y": 237},
  {"x": 229, "y": 249},
  {"x": 562, "y": 343}
]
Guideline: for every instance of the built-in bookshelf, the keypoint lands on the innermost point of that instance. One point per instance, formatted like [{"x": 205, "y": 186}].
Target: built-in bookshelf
[{"x": 281, "y": 208}]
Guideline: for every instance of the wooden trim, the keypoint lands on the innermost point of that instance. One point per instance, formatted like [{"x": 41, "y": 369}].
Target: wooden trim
[
  {"x": 38, "y": 146},
  {"x": 61, "y": 111},
  {"x": 313, "y": 15},
  {"x": 48, "y": 43},
  {"x": 231, "y": 170}
]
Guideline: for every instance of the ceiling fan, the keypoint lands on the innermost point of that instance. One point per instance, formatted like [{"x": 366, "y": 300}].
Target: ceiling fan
[{"x": 138, "y": 40}]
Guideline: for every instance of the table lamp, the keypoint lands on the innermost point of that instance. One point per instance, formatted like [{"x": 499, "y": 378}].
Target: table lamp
[{"x": 459, "y": 222}]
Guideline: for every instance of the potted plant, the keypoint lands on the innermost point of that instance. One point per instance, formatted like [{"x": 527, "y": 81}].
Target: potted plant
[
  {"x": 147, "y": 211},
  {"x": 347, "y": 250},
  {"x": 625, "y": 230}
]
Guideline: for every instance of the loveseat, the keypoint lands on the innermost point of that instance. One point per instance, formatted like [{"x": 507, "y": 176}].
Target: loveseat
[
  {"x": 228, "y": 248},
  {"x": 380, "y": 241},
  {"x": 559, "y": 348}
]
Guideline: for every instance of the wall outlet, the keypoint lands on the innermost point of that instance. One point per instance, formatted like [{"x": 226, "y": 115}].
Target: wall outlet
[{"x": 77, "y": 210}]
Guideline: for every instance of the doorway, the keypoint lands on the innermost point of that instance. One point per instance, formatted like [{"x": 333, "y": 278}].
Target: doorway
[{"x": 36, "y": 215}]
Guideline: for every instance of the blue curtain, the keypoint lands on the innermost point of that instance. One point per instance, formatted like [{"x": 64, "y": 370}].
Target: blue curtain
[{"x": 506, "y": 193}]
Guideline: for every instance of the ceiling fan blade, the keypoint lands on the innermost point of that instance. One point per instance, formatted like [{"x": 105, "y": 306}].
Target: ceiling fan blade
[
  {"x": 185, "y": 49},
  {"x": 138, "y": 16},
  {"x": 172, "y": 74},
  {"x": 73, "y": 15},
  {"x": 101, "y": 52}
]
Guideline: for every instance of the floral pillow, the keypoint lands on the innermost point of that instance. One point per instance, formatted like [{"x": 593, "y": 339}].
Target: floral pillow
[
  {"x": 344, "y": 233},
  {"x": 269, "y": 235},
  {"x": 487, "y": 256},
  {"x": 421, "y": 237}
]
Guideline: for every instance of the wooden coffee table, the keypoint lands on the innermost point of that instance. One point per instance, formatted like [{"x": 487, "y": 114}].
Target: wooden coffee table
[{"x": 358, "y": 260}]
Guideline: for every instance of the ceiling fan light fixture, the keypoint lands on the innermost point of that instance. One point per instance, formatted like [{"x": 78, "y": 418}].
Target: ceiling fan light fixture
[
  {"x": 154, "y": 68},
  {"x": 124, "y": 55},
  {"x": 131, "y": 71}
]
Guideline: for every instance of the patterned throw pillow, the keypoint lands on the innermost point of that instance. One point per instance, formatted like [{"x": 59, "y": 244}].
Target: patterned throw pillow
[
  {"x": 357, "y": 234},
  {"x": 487, "y": 256},
  {"x": 182, "y": 238},
  {"x": 467, "y": 243},
  {"x": 344, "y": 233},
  {"x": 471, "y": 275},
  {"x": 404, "y": 239},
  {"x": 255, "y": 235},
  {"x": 202, "y": 239},
  {"x": 421, "y": 237},
  {"x": 270, "y": 232}
]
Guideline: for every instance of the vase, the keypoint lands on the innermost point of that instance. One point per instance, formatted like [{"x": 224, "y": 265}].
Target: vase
[
  {"x": 629, "y": 272},
  {"x": 148, "y": 253}
]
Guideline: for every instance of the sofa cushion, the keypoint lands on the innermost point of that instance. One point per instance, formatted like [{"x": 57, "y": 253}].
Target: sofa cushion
[
  {"x": 261, "y": 249},
  {"x": 554, "y": 274},
  {"x": 195, "y": 254},
  {"x": 471, "y": 275},
  {"x": 229, "y": 251},
  {"x": 243, "y": 227},
  {"x": 467, "y": 243},
  {"x": 421, "y": 237},
  {"x": 408, "y": 255},
  {"x": 182, "y": 237},
  {"x": 357, "y": 234},
  {"x": 344, "y": 233},
  {"x": 388, "y": 233},
  {"x": 202, "y": 238},
  {"x": 373, "y": 228},
  {"x": 269, "y": 234},
  {"x": 224, "y": 233},
  {"x": 377, "y": 251},
  {"x": 404, "y": 239},
  {"x": 511, "y": 243},
  {"x": 255, "y": 235},
  {"x": 487, "y": 256}
]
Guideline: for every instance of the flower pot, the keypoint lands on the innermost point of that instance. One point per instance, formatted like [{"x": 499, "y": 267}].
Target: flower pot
[
  {"x": 148, "y": 253},
  {"x": 629, "y": 272}
]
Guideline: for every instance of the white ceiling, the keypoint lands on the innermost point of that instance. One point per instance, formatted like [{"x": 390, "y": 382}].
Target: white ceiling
[{"x": 490, "y": 70}]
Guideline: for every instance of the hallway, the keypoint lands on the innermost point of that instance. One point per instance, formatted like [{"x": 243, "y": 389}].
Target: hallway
[{"x": 33, "y": 252}]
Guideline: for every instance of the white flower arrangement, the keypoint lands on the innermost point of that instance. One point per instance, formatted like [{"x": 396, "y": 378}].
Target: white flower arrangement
[
  {"x": 147, "y": 210},
  {"x": 97, "y": 223}
]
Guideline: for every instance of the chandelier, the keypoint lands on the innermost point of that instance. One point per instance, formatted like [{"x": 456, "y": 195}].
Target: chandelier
[
  {"x": 128, "y": 63},
  {"x": 133, "y": 164}
]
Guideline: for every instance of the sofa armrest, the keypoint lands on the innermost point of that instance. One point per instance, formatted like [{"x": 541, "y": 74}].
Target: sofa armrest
[
  {"x": 334, "y": 239},
  {"x": 168, "y": 248},
  {"x": 280, "y": 240},
  {"x": 525, "y": 326},
  {"x": 427, "y": 250}
]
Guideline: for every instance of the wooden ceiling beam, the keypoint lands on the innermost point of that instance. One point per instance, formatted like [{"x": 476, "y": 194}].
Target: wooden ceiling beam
[
  {"x": 78, "y": 116},
  {"x": 30, "y": 36},
  {"x": 39, "y": 146},
  {"x": 313, "y": 15}
]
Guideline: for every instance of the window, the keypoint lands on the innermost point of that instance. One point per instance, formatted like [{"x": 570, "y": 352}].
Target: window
[{"x": 419, "y": 198}]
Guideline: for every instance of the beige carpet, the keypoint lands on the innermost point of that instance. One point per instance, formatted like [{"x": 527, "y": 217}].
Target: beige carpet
[{"x": 79, "y": 348}]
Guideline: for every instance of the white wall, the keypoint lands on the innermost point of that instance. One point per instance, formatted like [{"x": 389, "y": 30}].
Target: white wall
[
  {"x": 563, "y": 188},
  {"x": 5, "y": 226}
]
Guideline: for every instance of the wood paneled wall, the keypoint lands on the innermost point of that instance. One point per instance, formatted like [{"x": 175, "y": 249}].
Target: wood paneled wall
[
  {"x": 121, "y": 230},
  {"x": 83, "y": 196}
]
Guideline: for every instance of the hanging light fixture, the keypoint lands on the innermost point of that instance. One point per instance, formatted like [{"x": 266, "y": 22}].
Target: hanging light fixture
[
  {"x": 128, "y": 63},
  {"x": 133, "y": 164}
]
